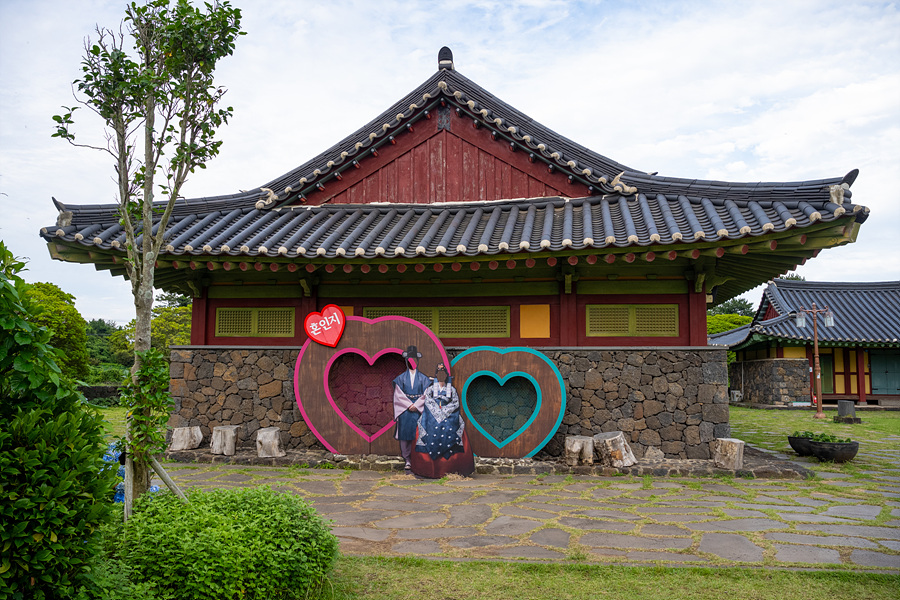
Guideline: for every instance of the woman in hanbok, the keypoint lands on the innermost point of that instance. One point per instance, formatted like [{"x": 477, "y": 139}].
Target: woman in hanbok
[{"x": 442, "y": 446}]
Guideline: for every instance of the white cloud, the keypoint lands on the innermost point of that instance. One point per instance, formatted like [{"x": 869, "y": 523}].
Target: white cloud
[{"x": 752, "y": 91}]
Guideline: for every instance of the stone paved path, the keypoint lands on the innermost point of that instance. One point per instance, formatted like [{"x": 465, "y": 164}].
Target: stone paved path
[{"x": 840, "y": 520}]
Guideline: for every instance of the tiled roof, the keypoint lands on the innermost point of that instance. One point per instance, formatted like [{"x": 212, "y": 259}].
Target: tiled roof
[
  {"x": 602, "y": 174},
  {"x": 730, "y": 337},
  {"x": 865, "y": 313},
  {"x": 464, "y": 229}
]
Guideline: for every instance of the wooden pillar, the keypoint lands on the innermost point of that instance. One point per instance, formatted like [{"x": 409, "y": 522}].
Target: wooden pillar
[
  {"x": 861, "y": 374},
  {"x": 199, "y": 319},
  {"x": 568, "y": 316},
  {"x": 697, "y": 319}
]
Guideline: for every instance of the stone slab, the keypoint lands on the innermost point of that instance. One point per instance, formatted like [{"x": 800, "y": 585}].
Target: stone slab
[
  {"x": 609, "y": 514},
  {"x": 859, "y": 511},
  {"x": 615, "y": 540},
  {"x": 806, "y": 554},
  {"x": 666, "y": 557},
  {"x": 731, "y": 546},
  {"x": 362, "y": 533},
  {"x": 467, "y": 515},
  {"x": 809, "y": 518},
  {"x": 413, "y": 521},
  {"x": 869, "y": 531},
  {"x": 480, "y": 541},
  {"x": 551, "y": 537},
  {"x": 362, "y": 517},
  {"x": 446, "y": 498},
  {"x": 417, "y": 547},
  {"x": 737, "y": 525},
  {"x": 516, "y": 511},
  {"x": 499, "y": 497},
  {"x": 587, "y": 524},
  {"x": 654, "y": 529},
  {"x": 530, "y": 552},
  {"x": 435, "y": 533},
  {"x": 867, "y": 558},
  {"x": 820, "y": 540},
  {"x": 506, "y": 525}
]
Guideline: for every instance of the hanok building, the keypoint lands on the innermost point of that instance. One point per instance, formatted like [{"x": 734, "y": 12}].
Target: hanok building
[
  {"x": 455, "y": 209},
  {"x": 859, "y": 355}
]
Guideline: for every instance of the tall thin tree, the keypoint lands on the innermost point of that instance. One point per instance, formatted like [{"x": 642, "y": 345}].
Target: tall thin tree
[{"x": 152, "y": 84}]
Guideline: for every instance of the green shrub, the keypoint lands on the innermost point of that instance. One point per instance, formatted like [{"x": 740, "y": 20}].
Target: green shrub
[
  {"x": 253, "y": 543},
  {"x": 821, "y": 437},
  {"x": 53, "y": 488},
  {"x": 107, "y": 373}
]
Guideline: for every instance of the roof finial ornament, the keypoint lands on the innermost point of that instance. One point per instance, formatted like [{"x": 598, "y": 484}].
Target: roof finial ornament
[{"x": 445, "y": 59}]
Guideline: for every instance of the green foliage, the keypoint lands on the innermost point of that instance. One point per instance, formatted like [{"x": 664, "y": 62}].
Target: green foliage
[
  {"x": 171, "y": 326},
  {"x": 146, "y": 396},
  {"x": 54, "y": 309},
  {"x": 821, "y": 437},
  {"x": 793, "y": 276},
  {"x": 101, "y": 348},
  {"x": 720, "y": 323},
  {"x": 52, "y": 482},
  {"x": 107, "y": 373},
  {"x": 252, "y": 543},
  {"x": 110, "y": 577},
  {"x": 735, "y": 306},
  {"x": 173, "y": 300}
]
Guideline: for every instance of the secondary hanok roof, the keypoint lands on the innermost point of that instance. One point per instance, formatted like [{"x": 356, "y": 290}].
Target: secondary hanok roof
[
  {"x": 623, "y": 208},
  {"x": 864, "y": 314}
]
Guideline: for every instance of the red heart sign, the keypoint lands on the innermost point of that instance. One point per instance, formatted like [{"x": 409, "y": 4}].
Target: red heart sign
[{"x": 326, "y": 327}]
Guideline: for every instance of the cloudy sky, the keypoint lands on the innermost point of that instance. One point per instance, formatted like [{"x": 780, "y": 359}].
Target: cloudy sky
[{"x": 741, "y": 91}]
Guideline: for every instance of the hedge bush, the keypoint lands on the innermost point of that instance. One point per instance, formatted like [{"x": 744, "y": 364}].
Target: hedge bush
[
  {"x": 53, "y": 489},
  {"x": 252, "y": 543}
]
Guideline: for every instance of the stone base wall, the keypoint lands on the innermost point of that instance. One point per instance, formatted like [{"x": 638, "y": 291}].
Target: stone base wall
[
  {"x": 672, "y": 399},
  {"x": 775, "y": 381}
]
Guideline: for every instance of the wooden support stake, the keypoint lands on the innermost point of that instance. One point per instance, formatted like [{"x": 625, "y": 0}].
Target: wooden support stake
[{"x": 166, "y": 479}]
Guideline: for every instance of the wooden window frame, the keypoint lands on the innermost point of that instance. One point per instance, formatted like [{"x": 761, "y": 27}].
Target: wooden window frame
[
  {"x": 254, "y": 321},
  {"x": 437, "y": 311},
  {"x": 632, "y": 329}
]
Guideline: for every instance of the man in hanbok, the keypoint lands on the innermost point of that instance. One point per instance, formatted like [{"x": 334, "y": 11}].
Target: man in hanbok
[
  {"x": 441, "y": 443},
  {"x": 409, "y": 388}
]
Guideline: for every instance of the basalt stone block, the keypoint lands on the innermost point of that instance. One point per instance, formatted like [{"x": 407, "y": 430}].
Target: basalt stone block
[{"x": 186, "y": 438}]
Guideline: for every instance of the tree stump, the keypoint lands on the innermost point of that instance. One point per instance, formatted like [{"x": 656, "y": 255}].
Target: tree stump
[
  {"x": 728, "y": 453},
  {"x": 268, "y": 443},
  {"x": 613, "y": 450},
  {"x": 223, "y": 439},
  {"x": 579, "y": 450},
  {"x": 186, "y": 438}
]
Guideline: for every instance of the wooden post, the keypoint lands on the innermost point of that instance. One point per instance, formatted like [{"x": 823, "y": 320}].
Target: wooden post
[
  {"x": 861, "y": 374},
  {"x": 167, "y": 480}
]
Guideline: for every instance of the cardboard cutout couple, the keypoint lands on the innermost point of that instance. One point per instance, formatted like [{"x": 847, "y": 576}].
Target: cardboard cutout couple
[{"x": 430, "y": 429}]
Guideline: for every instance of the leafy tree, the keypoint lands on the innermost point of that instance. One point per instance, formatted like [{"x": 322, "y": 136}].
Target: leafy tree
[
  {"x": 171, "y": 326},
  {"x": 172, "y": 299},
  {"x": 54, "y": 309},
  {"x": 735, "y": 306},
  {"x": 155, "y": 91},
  {"x": 53, "y": 485},
  {"x": 793, "y": 275},
  {"x": 720, "y": 323}
]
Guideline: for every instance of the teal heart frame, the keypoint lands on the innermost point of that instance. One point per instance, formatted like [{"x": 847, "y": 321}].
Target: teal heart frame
[
  {"x": 541, "y": 406},
  {"x": 501, "y": 381}
]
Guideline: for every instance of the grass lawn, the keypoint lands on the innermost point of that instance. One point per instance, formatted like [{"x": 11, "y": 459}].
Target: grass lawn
[
  {"x": 114, "y": 421},
  {"x": 878, "y": 434},
  {"x": 411, "y": 578}
]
